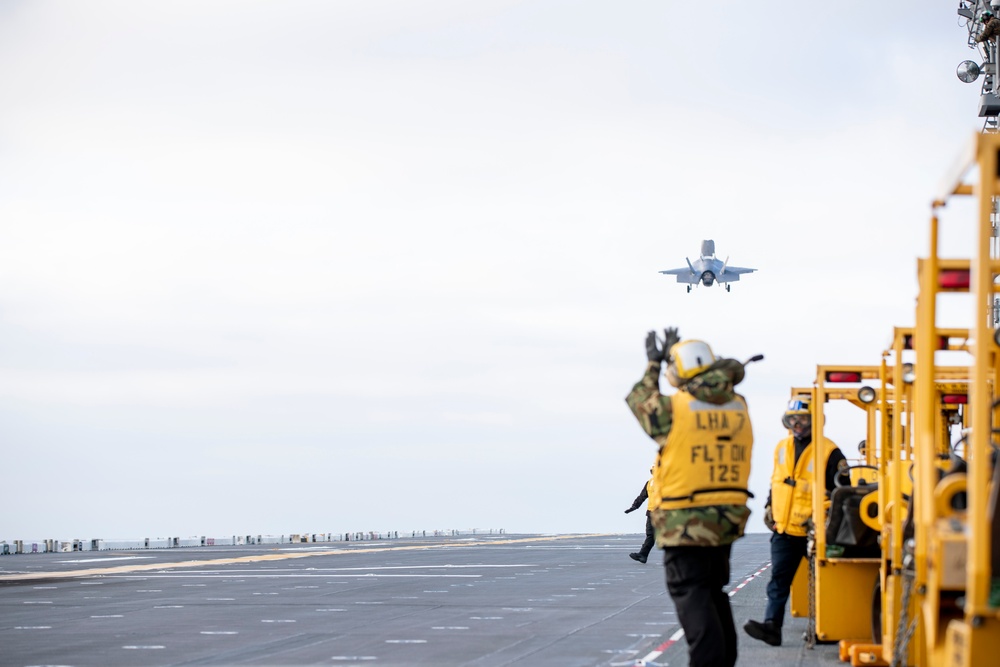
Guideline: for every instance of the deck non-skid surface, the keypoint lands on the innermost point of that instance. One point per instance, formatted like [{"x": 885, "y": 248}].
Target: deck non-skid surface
[{"x": 558, "y": 601}]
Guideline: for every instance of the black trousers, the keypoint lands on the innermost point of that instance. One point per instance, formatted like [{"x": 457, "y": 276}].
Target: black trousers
[
  {"x": 787, "y": 551},
  {"x": 647, "y": 545},
  {"x": 695, "y": 579}
]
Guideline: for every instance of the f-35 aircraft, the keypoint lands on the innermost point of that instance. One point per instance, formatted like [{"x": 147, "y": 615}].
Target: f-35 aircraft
[{"x": 707, "y": 270}]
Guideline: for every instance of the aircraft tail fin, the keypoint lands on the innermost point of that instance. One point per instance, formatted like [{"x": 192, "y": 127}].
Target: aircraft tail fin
[
  {"x": 724, "y": 265},
  {"x": 689, "y": 264}
]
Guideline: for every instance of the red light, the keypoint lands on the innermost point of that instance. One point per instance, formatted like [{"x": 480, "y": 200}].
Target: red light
[
  {"x": 954, "y": 399},
  {"x": 843, "y": 376},
  {"x": 942, "y": 341},
  {"x": 954, "y": 279}
]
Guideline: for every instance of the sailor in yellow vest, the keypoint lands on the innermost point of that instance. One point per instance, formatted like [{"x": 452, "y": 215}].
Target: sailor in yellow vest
[
  {"x": 788, "y": 510},
  {"x": 698, "y": 493},
  {"x": 643, "y": 553}
]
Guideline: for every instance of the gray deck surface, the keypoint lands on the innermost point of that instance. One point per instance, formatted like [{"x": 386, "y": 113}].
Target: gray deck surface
[{"x": 558, "y": 601}]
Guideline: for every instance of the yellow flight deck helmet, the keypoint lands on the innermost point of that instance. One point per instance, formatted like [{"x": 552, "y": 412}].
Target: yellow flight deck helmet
[{"x": 687, "y": 359}]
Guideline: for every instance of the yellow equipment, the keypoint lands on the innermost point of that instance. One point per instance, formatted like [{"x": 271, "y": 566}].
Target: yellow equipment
[
  {"x": 846, "y": 554},
  {"x": 955, "y": 563}
]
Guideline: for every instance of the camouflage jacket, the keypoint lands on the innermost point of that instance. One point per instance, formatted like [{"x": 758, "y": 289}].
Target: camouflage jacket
[
  {"x": 711, "y": 526},
  {"x": 991, "y": 29}
]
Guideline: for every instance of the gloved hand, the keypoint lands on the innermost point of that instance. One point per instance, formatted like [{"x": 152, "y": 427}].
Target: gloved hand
[
  {"x": 670, "y": 338},
  {"x": 653, "y": 351},
  {"x": 630, "y": 509},
  {"x": 810, "y": 538},
  {"x": 769, "y": 518},
  {"x": 843, "y": 476}
]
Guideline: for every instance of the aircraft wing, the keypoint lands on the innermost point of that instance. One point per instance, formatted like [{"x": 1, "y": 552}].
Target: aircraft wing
[
  {"x": 737, "y": 270},
  {"x": 685, "y": 275},
  {"x": 731, "y": 274}
]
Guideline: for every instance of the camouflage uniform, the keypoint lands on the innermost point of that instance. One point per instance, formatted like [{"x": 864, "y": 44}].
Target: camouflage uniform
[
  {"x": 991, "y": 29},
  {"x": 696, "y": 541},
  {"x": 712, "y": 526}
]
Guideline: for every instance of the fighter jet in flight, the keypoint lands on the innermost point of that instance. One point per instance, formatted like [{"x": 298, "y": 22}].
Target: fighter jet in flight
[{"x": 707, "y": 270}]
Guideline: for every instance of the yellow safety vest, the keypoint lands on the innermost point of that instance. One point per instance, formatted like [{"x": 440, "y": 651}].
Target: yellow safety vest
[
  {"x": 792, "y": 485},
  {"x": 706, "y": 457},
  {"x": 653, "y": 501}
]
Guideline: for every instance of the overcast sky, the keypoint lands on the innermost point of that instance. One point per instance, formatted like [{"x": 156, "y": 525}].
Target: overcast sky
[{"x": 373, "y": 265}]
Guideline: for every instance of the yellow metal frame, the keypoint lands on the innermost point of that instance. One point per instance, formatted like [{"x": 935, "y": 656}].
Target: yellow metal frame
[
  {"x": 840, "y": 617},
  {"x": 973, "y": 637},
  {"x": 909, "y": 431}
]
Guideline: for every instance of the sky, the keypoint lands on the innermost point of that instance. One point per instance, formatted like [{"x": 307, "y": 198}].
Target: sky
[{"x": 377, "y": 265}]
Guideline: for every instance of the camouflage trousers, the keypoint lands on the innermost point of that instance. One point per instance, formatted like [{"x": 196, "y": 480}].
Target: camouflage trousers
[{"x": 709, "y": 526}]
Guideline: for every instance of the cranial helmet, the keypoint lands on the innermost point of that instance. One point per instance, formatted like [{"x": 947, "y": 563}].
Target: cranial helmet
[
  {"x": 687, "y": 359},
  {"x": 795, "y": 407},
  {"x": 986, "y": 16}
]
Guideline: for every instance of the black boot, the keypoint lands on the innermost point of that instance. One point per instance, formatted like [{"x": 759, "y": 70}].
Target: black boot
[
  {"x": 638, "y": 557},
  {"x": 767, "y": 632}
]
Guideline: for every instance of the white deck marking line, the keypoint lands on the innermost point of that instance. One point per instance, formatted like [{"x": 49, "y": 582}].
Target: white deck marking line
[
  {"x": 343, "y": 571},
  {"x": 658, "y": 651},
  {"x": 108, "y": 558},
  {"x": 352, "y": 658},
  {"x": 676, "y": 637},
  {"x": 303, "y": 575},
  {"x": 749, "y": 579},
  {"x": 281, "y": 556}
]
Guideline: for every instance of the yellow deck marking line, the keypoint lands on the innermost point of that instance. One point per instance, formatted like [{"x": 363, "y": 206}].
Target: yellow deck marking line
[{"x": 144, "y": 567}]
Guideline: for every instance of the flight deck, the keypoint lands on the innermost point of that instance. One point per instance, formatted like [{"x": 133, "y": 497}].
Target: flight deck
[{"x": 539, "y": 600}]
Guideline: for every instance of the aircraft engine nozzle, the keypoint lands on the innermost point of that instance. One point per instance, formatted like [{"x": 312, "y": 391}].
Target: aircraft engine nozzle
[{"x": 707, "y": 278}]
